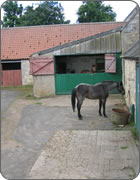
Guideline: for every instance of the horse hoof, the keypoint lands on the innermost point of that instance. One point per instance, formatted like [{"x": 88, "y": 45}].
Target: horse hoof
[
  {"x": 80, "y": 117},
  {"x": 100, "y": 114},
  {"x": 105, "y": 116}
]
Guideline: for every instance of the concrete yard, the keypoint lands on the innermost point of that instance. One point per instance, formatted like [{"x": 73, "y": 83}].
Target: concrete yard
[
  {"x": 87, "y": 155},
  {"x": 43, "y": 138}
]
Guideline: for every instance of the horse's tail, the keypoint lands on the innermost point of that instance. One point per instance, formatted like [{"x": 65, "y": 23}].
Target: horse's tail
[{"x": 73, "y": 98}]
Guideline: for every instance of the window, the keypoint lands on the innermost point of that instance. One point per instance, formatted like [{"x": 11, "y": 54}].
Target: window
[
  {"x": 100, "y": 65},
  {"x": 11, "y": 66}
]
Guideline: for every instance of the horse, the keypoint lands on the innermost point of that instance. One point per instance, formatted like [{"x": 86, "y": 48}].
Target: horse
[
  {"x": 98, "y": 91},
  {"x": 85, "y": 71}
]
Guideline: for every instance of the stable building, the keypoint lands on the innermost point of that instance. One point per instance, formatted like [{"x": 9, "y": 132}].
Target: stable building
[
  {"x": 57, "y": 70},
  {"x": 18, "y": 43},
  {"x": 130, "y": 61}
]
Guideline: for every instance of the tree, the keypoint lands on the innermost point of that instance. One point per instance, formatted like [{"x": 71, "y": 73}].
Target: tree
[
  {"x": 95, "y": 11},
  {"x": 12, "y": 14},
  {"x": 47, "y": 12}
]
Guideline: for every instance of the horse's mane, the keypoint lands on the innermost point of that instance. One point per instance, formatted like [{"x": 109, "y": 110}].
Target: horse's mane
[{"x": 108, "y": 81}]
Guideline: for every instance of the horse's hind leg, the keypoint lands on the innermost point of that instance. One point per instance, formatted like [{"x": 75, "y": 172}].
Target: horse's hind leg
[
  {"x": 100, "y": 106},
  {"x": 104, "y": 103},
  {"x": 79, "y": 104}
]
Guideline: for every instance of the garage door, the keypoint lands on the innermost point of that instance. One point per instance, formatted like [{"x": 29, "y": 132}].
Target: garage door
[
  {"x": 11, "y": 78},
  {"x": 11, "y": 73}
]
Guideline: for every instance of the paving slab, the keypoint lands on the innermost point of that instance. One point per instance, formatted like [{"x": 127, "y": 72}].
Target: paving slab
[{"x": 87, "y": 155}]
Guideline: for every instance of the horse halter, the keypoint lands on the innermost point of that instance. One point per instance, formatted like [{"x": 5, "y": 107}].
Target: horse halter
[{"x": 120, "y": 88}]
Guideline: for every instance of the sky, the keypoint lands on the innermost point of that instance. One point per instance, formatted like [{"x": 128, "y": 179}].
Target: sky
[{"x": 122, "y": 8}]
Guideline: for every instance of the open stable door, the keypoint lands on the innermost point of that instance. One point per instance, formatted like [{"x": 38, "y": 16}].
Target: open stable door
[
  {"x": 110, "y": 63},
  {"x": 41, "y": 66}
]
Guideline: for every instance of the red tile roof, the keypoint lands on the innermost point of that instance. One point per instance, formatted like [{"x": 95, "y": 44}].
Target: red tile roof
[{"x": 21, "y": 42}]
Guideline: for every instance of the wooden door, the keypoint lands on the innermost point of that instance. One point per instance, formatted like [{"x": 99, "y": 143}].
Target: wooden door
[
  {"x": 11, "y": 78},
  {"x": 41, "y": 66},
  {"x": 110, "y": 63}
]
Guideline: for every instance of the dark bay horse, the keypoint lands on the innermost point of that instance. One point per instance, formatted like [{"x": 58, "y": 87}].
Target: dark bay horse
[{"x": 98, "y": 91}]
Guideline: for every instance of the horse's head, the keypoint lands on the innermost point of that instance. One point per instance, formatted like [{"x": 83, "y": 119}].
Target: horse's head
[{"x": 121, "y": 88}]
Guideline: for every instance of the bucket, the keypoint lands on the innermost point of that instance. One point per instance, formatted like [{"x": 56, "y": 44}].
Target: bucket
[{"x": 120, "y": 116}]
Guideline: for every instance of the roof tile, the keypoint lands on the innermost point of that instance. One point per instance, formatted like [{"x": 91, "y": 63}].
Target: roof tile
[{"x": 21, "y": 42}]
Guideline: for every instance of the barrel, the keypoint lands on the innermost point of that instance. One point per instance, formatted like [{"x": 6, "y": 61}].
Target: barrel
[{"x": 120, "y": 116}]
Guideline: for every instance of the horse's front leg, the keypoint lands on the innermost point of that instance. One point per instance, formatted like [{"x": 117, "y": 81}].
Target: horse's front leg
[
  {"x": 104, "y": 104},
  {"x": 100, "y": 106}
]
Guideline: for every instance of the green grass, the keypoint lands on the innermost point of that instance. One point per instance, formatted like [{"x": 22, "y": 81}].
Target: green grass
[
  {"x": 39, "y": 103},
  {"x": 132, "y": 127},
  {"x": 19, "y": 88},
  {"x": 134, "y": 133},
  {"x": 123, "y": 147},
  {"x": 133, "y": 175},
  {"x": 26, "y": 90}
]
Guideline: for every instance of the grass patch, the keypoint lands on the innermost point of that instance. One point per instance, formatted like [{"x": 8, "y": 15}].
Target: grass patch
[
  {"x": 39, "y": 103},
  {"x": 132, "y": 127},
  {"x": 133, "y": 175},
  {"x": 26, "y": 90},
  {"x": 134, "y": 133},
  {"x": 123, "y": 147}
]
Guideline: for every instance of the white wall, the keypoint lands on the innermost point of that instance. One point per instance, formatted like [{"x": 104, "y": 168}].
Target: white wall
[
  {"x": 129, "y": 36},
  {"x": 129, "y": 80},
  {"x": 25, "y": 69},
  {"x": 43, "y": 86}
]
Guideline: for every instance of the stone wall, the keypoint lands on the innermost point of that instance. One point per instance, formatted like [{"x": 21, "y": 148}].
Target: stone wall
[
  {"x": 43, "y": 85},
  {"x": 129, "y": 36},
  {"x": 130, "y": 33},
  {"x": 26, "y": 77},
  {"x": 129, "y": 80}
]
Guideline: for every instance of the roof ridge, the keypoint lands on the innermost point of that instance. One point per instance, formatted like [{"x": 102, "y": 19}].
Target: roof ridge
[{"x": 38, "y": 26}]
